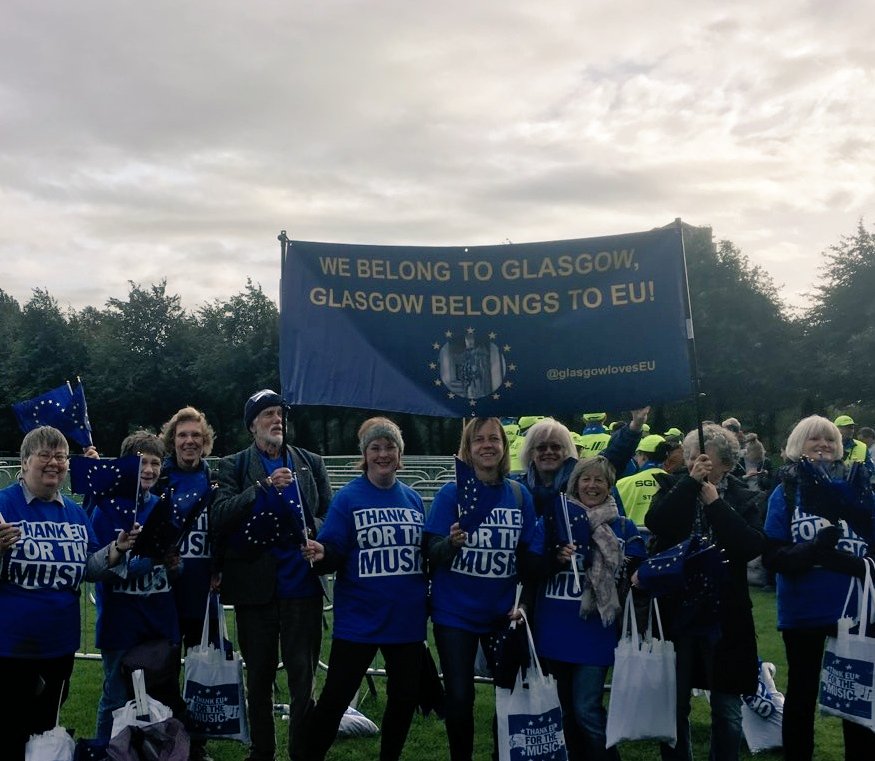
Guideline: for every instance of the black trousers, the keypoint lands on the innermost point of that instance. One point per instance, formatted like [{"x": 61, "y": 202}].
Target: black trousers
[
  {"x": 295, "y": 628},
  {"x": 804, "y": 655},
  {"x": 32, "y": 690},
  {"x": 347, "y": 666}
]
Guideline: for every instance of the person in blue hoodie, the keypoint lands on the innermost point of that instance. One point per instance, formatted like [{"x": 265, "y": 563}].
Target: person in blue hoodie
[
  {"x": 577, "y": 613},
  {"x": 815, "y": 554},
  {"x": 138, "y": 606},
  {"x": 372, "y": 538},
  {"x": 477, "y": 551},
  {"x": 47, "y": 549}
]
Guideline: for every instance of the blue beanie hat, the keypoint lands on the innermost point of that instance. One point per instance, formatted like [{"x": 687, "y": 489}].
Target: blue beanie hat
[{"x": 259, "y": 401}]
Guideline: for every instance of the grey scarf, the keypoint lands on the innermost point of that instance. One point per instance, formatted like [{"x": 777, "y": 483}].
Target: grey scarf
[{"x": 600, "y": 587}]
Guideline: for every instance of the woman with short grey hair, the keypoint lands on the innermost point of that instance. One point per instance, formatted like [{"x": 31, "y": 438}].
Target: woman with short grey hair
[
  {"x": 47, "y": 549},
  {"x": 721, "y": 657}
]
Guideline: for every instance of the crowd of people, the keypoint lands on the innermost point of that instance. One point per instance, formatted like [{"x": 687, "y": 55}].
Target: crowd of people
[{"x": 571, "y": 525}]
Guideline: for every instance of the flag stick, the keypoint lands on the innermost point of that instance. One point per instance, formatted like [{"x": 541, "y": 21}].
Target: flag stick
[
  {"x": 577, "y": 587},
  {"x": 694, "y": 362}
]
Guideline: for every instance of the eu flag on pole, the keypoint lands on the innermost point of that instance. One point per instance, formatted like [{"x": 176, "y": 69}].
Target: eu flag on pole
[
  {"x": 77, "y": 425},
  {"x": 278, "y": 517},
  {"x": 474, "y": 499},
  {"x": 62, "y": 408},
  {"x": 49, "y": 408},
  {"x": 113, "y": 483}
]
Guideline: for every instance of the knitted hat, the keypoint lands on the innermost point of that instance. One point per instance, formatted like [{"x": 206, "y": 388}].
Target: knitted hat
[
  {"x": 843, "y": 420},
  {"x": 259, "y": 401},
  {"x": 380, "y": 428},
  {"x": 649, "y": 443}
]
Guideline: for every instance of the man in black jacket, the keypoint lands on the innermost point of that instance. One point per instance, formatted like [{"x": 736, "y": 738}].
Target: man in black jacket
[{"x": 259, "y": 522}]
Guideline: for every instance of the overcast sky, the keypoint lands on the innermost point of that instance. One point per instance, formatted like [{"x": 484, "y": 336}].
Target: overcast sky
[{"x": 150, "y": 140}]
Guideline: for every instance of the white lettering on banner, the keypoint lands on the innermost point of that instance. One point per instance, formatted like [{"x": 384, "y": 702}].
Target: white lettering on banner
[
  {"x": 504, "y": 516},
  {"x": 154, "y": 582},
  {"x": 390, "y": 561}
]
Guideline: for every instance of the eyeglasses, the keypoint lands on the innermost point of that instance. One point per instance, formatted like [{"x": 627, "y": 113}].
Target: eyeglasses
[
  {"x": 45, "y": 457},
  {"x": 552, "y": 447}
]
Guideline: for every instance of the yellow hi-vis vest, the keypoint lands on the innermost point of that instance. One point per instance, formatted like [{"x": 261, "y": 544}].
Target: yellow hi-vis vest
[
  {"x": 637, "y": 491},
  {"x": 514, "y": 449},
  {"x": 857, "y": 452},
  {"x": 591, "y": 444}
]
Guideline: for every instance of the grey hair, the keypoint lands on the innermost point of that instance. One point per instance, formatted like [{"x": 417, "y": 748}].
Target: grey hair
[
  {"x": 718, "y": 438},
  {"x": 599, "y": 464},
  {"x": 542, "y": 431},
  {"x": 44, "y": 437},
  {"x": 813, "y": 425}
]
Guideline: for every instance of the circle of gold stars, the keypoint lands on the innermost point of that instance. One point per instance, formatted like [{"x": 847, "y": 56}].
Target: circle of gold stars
[{"x": 507, "y": 384}]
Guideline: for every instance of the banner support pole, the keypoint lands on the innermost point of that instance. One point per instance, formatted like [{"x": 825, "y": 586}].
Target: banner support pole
[{"x": 694, "y": 361}]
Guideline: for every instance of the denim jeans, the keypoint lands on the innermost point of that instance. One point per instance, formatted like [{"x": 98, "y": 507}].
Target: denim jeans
[
  {"x": 581, "y": 694},
  {"x": 457, "y": 649},
  {"x": 115, "y": 691},
  {"x": 725, "y": 711}
]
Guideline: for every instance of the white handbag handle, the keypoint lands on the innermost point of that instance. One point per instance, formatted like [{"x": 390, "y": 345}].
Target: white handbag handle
[
  {"x": 629, "y": 621},
  {"x": 532, "y": 654},
  {"x": 140, "y": 698},
  {"x": 223, "y": 624},
  {"x": 653, "y": 611}
]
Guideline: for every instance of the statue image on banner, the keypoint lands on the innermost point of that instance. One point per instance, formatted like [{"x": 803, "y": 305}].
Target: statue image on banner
[{"x": 471, "y": 367}]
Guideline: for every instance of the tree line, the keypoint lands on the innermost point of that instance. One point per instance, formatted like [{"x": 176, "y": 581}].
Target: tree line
[{"x": 143, "y": 357}]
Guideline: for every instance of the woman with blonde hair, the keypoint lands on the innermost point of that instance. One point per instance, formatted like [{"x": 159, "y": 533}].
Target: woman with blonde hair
[{"x": 816, "y": 552}]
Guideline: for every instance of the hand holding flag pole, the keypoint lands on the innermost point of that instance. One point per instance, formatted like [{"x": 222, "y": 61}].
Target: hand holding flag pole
[
  {"x": 577, "y": 587},
  {"x": 285, "y": 413}
]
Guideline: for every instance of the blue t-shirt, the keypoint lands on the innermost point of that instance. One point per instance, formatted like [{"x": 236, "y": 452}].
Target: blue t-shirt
[
  {"x": 476, "y": 591},
  {"x": 40, "y": 576},
  {"x": 140, "y": 606},
  {"x": 814, "y": 597},
  {"x": 380, "y": 591},
  {"x": 560, "y": 632},
  {"x": 192, "y": 586},
  {"x": 294, "y": 577}
]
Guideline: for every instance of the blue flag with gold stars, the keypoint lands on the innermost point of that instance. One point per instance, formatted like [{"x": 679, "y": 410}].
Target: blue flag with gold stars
[
  {"x": 111, "y": 482},
  {"x": 62, "y": 408},
  {"x": 487, "y": 330}
]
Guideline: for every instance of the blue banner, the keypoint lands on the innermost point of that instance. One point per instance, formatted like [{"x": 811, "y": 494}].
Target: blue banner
[{"x": 547, "y": 328}]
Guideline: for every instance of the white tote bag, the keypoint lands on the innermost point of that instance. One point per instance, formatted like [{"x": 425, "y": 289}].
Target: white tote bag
[
  {"x": 643, "y": 697},
  {"x": 213, "y": 688},
  {"x": 529, "y": 716},
  {"x": 847, "y": 678},
  {"x": 762, "y": 715},
  {"x": 141, "y": 711},
  {"x": 54, "y": 745}
]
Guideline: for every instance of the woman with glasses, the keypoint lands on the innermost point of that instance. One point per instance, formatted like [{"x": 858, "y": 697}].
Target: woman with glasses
[
  {"x": 372, "y": 537},
  {"x": 549, "y": 455},
  {"x": 47, "y": 549}
]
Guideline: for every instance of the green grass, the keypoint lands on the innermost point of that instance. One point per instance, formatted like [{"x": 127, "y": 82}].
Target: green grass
[{"x": 427, "y": 739}]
